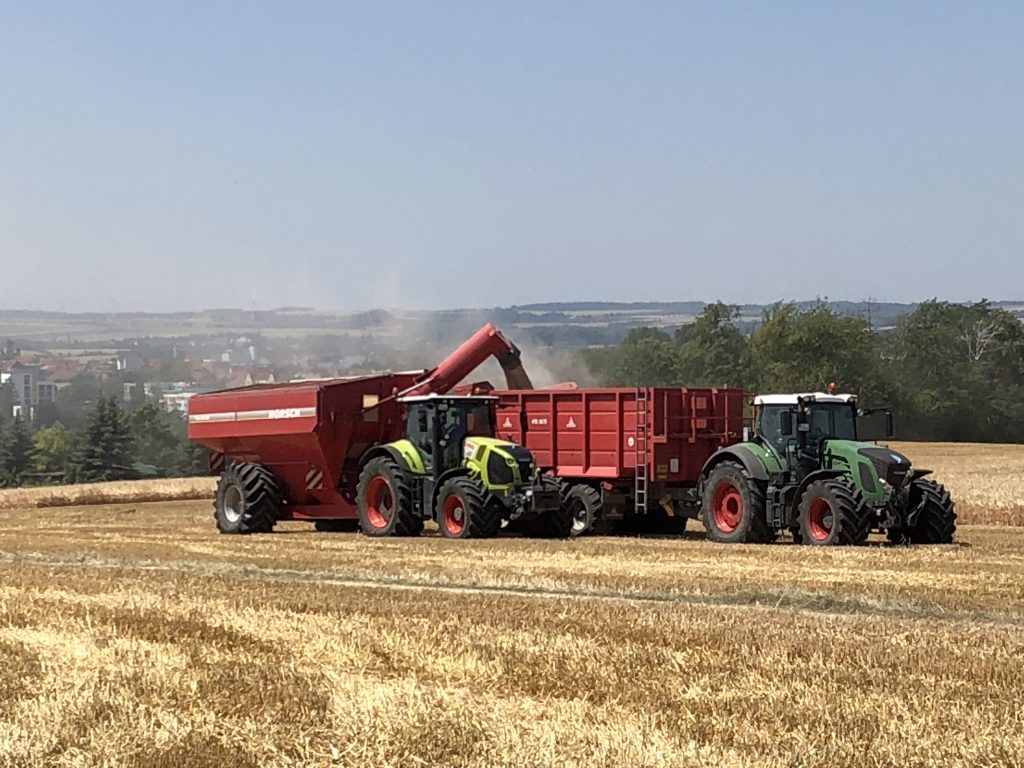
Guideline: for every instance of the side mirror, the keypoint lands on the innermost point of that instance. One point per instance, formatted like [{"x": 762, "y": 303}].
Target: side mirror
[
  {"x": 786, "y": 423},
  {"x": 890, "y": 426}
]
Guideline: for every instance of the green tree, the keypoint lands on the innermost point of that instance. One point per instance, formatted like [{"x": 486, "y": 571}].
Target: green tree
[
  {"x": 158, "y": 445},
  {"x": 960, "y": 372},
  {"x": 104, "y": 450},
  {"x": 52, "y": 449},
  {"x": 793, "y": 351},
  {"x": 18, "y": 452},
  {"x": 712, "y": 350}
]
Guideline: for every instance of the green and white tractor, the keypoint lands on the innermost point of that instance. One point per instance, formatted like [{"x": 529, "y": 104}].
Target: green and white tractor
[
  {"x": 449, "y": 467},
  {"x": 804, "y": 469}
]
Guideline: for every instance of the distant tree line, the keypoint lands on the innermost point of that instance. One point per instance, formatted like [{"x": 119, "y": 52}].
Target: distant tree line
[
  {"x": 949, "y": 371},
  {"x": 111, "y": 442}
]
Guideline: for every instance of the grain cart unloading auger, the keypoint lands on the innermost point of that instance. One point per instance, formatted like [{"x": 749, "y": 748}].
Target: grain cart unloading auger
[{"x": 383, "y": 453}]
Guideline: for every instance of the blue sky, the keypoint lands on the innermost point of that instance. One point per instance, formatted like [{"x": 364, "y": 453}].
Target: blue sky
[{"x": 352, "y": 155}]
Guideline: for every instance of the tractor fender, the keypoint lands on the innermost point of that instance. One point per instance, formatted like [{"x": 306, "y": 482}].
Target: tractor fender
[
  {"x": 389, "y": 451},
  {"x": 740, "y": 454},
  {"x": 441, "y": 480},
  {"x": 819, "y": 474},
  {"x": 917, "y": 474}
]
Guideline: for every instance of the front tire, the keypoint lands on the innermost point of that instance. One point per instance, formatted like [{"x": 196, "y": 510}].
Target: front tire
[
  {"x": 384, "y": 500},
  {"x": 936, "y": 520},
  {"x": 832, "y": 513},
  {"x": 248, "y": 499},
  {"x": 463, "y": 512},
  {"x": 733, "y": 507}
]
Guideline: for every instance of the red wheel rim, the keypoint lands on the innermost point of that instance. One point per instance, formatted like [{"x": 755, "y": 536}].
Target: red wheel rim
[
  {"x": 727, "y": 507},
  {"x": 379, "y": 502},
  {"x": 819, "y": 519},
  {"x": 454, "y": 515}
]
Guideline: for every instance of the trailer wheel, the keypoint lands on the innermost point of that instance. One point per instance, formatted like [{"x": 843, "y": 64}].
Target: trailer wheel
[
  {"x": 832, "y": 512},
  {"x": 936, "y": 518},
  {"x": 337, "y": 526},
  {"x": 247, "y": 500},
  {"x": 384, "y": 500},
  {"x": 584, "y": 504},
  {"x": 463, "y": 512},
  {"x": 733, "y": 506}
]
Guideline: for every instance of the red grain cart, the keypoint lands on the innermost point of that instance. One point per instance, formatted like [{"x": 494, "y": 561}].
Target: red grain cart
[
  {"x": 309, "y": 436},
  {"x": 623, "y": 452},
  {"x": 295, "y": 451}
]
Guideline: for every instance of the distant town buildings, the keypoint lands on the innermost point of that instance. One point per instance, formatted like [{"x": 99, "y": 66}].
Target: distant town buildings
[{"x": 31, "y": 386}]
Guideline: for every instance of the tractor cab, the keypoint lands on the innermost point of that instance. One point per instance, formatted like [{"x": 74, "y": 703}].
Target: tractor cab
[
  {"x": 797, "y": 426},
  {"x": 438, "y": 426}
]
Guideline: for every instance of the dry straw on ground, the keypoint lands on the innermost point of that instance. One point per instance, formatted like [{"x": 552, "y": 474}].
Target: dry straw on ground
[
  {"x": 986, "y": 480},
  {"x": 167, "y": 489},
  {"x": 134, "y": 635}
]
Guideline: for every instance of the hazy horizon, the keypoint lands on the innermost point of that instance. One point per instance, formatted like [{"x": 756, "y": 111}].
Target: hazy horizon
[{"x": 175, "y": 157}]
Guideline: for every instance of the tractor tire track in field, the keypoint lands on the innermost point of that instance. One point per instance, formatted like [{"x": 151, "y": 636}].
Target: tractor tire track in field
[{"x": 789, "y": 599}]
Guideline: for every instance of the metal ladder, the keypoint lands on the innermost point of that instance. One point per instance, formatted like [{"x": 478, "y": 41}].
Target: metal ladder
[{"x": 640, "y": 446}]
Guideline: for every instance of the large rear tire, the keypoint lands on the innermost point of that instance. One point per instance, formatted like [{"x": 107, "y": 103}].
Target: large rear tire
[
  {"x": 463, "y": 512},
  {"x": 936, "y": 520},
  {"x": 833, "y": 513},
  {"x": 384, "y": 500},
  {"x": 733, "y": 507},
  {"x": 248, "y": 499}
]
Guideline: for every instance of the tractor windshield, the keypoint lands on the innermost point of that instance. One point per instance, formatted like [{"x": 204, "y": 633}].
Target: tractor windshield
[{"x": 832, "y": 420}]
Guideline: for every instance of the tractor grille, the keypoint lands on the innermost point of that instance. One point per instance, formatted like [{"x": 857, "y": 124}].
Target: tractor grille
[
  {"x": 891, "y": 466},
  {"x": 524, "y": 460}
]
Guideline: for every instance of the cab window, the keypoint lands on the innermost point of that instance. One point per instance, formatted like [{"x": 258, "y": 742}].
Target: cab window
[{"x": 769, "y": 426}]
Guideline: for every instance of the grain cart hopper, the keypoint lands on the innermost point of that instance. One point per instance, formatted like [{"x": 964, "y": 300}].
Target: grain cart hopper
[
  {"x": 318, "y": 451},
  {"x": 634, "y": 453},
  {"x": 804, "y": 469}
]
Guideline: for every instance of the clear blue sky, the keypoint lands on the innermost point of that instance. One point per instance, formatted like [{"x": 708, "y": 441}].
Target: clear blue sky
[{"x": 353, "y": 155}]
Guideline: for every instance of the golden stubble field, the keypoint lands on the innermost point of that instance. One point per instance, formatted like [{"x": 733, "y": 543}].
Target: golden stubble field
[{"x": 134, "y": 635}]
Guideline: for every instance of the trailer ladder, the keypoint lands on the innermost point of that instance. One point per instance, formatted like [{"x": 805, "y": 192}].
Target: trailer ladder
[{"x": 641, "y": 456}]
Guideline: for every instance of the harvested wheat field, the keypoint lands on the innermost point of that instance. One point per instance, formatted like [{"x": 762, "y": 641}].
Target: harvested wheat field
[
  {"x": 986, "y": 480},
  {"x": 135, "y": 635}
]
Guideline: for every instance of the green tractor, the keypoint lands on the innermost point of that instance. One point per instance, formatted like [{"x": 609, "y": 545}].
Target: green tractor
[
  {"x": 805, "y": 470},
  {"x": 450, "y": 468}
]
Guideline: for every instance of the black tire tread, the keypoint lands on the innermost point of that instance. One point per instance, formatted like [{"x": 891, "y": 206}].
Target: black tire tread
[
  {"x": 854, "y": 516},
  {"x": 483, "y": 520},
  {"x": 936, "y": 522},
  {"x": 261, "y": 495},
  {"x": 590, "y": 497},
  {"x": 757, "y": 531},
  {"x": 405, "y": 522}
]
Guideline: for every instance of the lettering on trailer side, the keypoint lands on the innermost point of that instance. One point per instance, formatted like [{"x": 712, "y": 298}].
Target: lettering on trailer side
[{"x": 538, "y": 422}]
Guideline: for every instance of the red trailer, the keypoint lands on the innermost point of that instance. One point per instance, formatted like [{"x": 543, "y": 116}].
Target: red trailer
[{"x": 623, "y": 451}]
